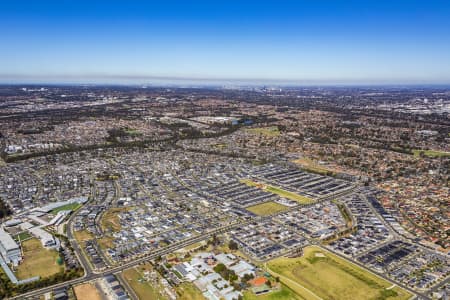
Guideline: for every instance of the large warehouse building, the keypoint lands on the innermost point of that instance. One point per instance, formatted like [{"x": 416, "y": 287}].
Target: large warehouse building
[{"x": 9, "y": 249}]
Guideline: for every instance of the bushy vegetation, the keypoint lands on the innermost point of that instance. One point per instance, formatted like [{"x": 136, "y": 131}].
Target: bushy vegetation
[
  {"x": 8, "y": 289},
  {"x": 226, "y": 273},
  {"x": 4, "y": 209}
]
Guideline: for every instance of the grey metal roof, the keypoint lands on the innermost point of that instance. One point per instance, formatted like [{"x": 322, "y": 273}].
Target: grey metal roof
[{"x": 7, "y": 241}]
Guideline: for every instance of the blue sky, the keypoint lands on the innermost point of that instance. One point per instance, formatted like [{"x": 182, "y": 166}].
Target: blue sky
[{"x": 299, "y": 41}]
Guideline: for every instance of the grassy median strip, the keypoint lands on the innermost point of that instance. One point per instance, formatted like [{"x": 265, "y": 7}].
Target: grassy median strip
[{"x": 279, "y": 191}]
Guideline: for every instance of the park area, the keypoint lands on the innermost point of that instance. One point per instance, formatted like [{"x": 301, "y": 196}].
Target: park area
[
  {"x": 38, "y": 261},
  {"x": 86, "y": 291},
  {"x": 431, "y": 153},
  {"x": 271, "y": 131},
  {"x": 319, "y": 274},
  {"x": 267, "y": 208},
  {"x": 278, "y": 191}
]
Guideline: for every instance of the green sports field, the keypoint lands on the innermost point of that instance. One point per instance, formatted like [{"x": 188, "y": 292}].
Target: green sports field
[
  {"x": 268, "y": 208},
  {"x": 431, "y": 153},
  {"x": 70, "y": 206},
  {"x": 37, "y": 261}
]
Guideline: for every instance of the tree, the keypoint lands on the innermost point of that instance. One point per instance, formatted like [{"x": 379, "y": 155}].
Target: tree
[
  {"x": 232, "y": 245},
  {"x": 219, "y": 268}
]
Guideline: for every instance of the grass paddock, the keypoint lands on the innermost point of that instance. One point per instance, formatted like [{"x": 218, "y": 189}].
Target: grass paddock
[
  {"x": 330, "y": 277},
  {"x": 37, "y": 261}
]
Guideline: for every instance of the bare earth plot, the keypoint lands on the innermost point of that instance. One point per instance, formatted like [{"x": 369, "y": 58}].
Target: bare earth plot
[
  {"x": 86, "y": 291},
  {"x": 319, "y": 274},
  {"x": 83, "y": 235}
]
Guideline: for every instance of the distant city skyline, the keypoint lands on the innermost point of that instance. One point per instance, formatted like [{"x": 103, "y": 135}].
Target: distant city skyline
[{"x": 293, "y": 42}]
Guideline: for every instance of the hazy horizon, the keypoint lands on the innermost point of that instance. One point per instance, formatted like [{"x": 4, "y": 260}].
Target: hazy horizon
[{"x": 297, "y": 42}]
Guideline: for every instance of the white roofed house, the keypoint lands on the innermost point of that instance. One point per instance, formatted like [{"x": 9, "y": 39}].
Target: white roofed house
[{"x": 243, "y": 268}]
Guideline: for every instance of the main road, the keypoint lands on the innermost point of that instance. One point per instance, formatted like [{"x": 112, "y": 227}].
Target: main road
[
  {"x": 90, "y": 275},
  {"x": 153, "y": 255}
]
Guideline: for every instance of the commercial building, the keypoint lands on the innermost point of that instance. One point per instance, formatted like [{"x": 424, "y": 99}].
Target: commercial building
[
  {"x": 9, "y": 249},
  {"x": 46, "y": 238}
]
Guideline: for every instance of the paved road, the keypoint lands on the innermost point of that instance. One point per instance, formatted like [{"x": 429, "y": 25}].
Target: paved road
[
  {"x": 135, "y": 262},
  {"x": 90, "y": 275}
]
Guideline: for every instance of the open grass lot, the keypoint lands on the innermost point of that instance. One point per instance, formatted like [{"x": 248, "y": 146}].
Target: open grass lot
[
  {"x": 280, "y": 192},
  {"x": 284, "y": 293},
  {"x": 265, "y": 209},
  {"x": 267, "y": 131},
  {"x": 431, "y": 153},
  {"x": 37, "y": 261},
  {"x": 187, "y": 291},
  {"x": 71, "y": 206},
  {"x": 110, "y": 220},
  {"x": 132, "y": 132},
  {"x": 105, "y": 242},
  {"x": 312, "y": 166},
  {"x": 87, "y": 291},
  {"x": 83, "y": 235},
  {"x": 324, "y": 275},
  {"x": 220, "y": 146},
  {"x": 142, "y": 288}
]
